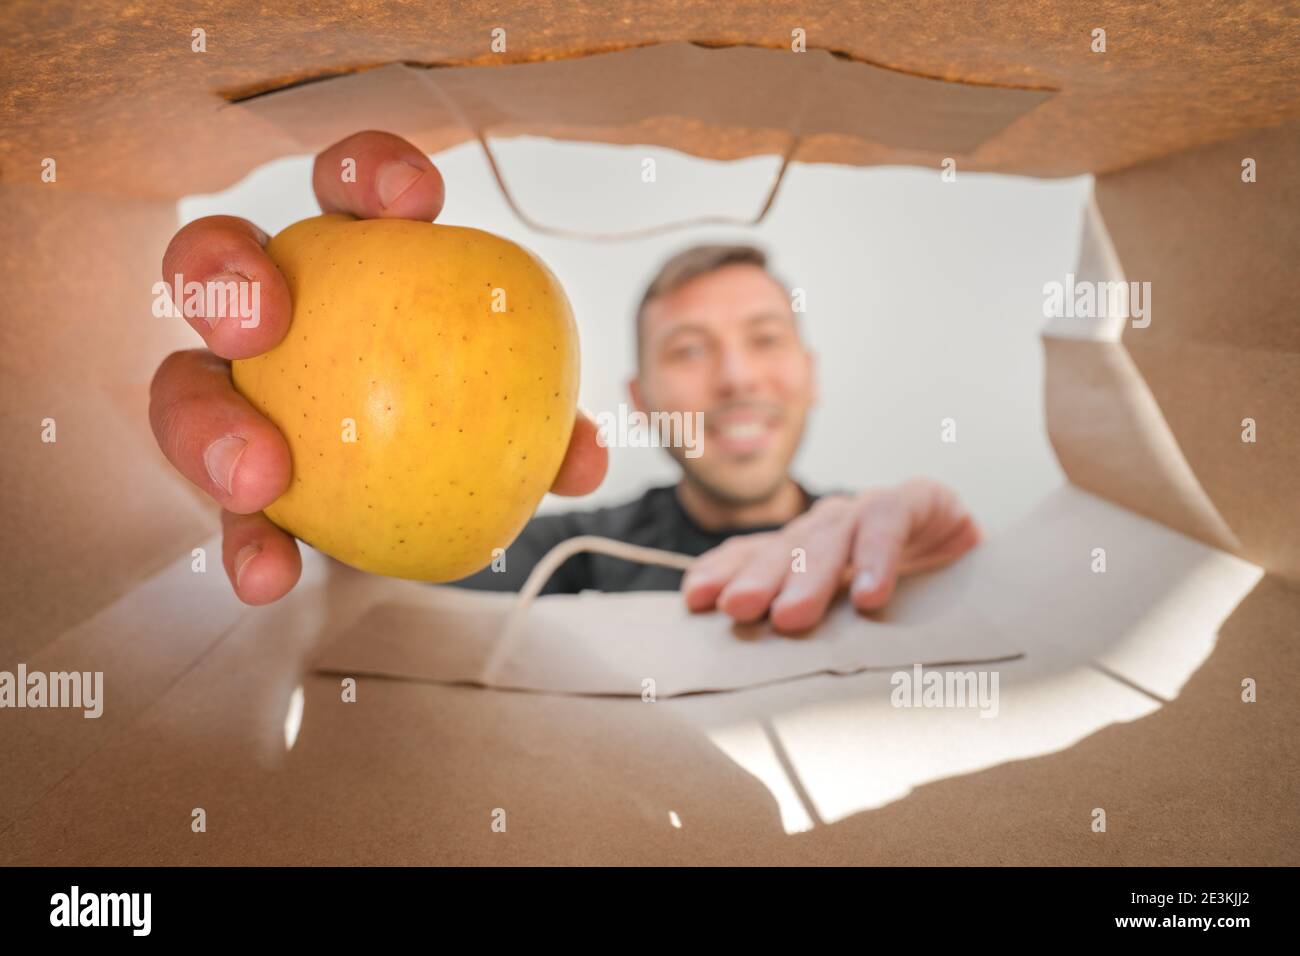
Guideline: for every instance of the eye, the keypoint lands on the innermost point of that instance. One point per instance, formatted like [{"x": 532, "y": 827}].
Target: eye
[{"x": 686, "y": 351}]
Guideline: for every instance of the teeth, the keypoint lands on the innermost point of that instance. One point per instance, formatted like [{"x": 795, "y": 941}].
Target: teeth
[{"x": 742, "y": 431}]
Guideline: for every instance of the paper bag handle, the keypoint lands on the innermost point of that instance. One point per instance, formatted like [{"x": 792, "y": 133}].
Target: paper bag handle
[{"x": 547, "y": 566}]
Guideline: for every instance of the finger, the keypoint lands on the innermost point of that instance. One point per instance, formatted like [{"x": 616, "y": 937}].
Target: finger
[
  {"x": 936, "y": 511},
  {"x": 713, "y": 570},
  {"x": 237, "y": 300},
  {"x": 585, "y": 462},
  {"x": 805, "y": 595},
  {"x": 962, "y": 536},
  {"x": 375, "y": 175},
  {"x": 213, "y": 436},
  {"x": 749, "y": 593},
  {"x": 262, "y": 561},
  {"x": 882, "y": 531}
]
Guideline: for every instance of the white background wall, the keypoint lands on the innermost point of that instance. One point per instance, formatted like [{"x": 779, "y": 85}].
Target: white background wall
[{"x": 924, "y": 298}]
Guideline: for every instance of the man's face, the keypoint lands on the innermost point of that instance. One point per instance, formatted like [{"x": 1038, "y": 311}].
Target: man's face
[{"x": 726, "y": 344}]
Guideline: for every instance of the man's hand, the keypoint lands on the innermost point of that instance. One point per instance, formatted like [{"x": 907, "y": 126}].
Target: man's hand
[
  {"x": 211, "y": 434},
  {"x": 865, "y": 541}
]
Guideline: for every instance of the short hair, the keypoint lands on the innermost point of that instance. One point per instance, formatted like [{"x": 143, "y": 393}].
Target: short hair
[{"x": 687, "y": 266}]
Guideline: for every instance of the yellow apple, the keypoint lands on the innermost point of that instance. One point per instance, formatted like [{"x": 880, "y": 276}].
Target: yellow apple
[{"x": 427, "y": 389}]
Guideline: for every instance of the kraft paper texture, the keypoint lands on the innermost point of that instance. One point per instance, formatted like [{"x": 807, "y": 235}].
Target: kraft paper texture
[
  {"x": 1167, "y": 82},
  {"x": 239, "y": 722},
  {"x": 789, "y": 96},
  {"x": 630, "y": 644}
]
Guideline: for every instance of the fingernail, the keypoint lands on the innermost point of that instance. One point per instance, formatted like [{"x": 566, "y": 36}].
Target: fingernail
[
  {"x": 394, "y": 179},
  {"x": 218, "y": 304},
  {"x": 736, "y": 588},
  {"x": 246, "y": 554},
  {"x": 693, "y": 582},
  {"x": 864, "y": 583},
  {"x": 221, "y": 457},
  {"x": 793, "y": 593}
]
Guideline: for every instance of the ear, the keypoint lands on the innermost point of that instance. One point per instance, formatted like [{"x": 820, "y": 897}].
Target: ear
[
  {"x": 634, "y": 391},
  {"x": 814, "y": 387}
]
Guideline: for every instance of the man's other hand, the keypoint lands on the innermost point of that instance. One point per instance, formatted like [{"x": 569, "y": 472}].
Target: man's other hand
[{"x": 864, "y": 541}]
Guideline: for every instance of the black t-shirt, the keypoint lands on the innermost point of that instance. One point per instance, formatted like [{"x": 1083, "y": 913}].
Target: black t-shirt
[{"x": 655, "y": 520}]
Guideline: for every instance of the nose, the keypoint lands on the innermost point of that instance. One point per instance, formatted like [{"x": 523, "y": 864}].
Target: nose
[{"x": 738, "y": 373}]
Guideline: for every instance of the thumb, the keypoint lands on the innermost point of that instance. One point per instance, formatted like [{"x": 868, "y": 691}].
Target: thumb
[{"x": 585, "y": 463}]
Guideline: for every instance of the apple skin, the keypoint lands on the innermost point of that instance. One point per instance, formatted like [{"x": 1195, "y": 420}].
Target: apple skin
[{"x": 451, "y": 356}]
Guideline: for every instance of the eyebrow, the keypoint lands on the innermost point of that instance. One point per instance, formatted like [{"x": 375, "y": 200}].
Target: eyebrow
[
  {"x": 769, "y": 317},
  {"x": 686, "y": 329},
  {"x": 694, "y": 328}
]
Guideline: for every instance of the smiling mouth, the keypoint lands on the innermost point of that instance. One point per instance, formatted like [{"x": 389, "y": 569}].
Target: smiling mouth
[
  {"x": 743, "y": 435},
  {"x": 742, "y": 430}
]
